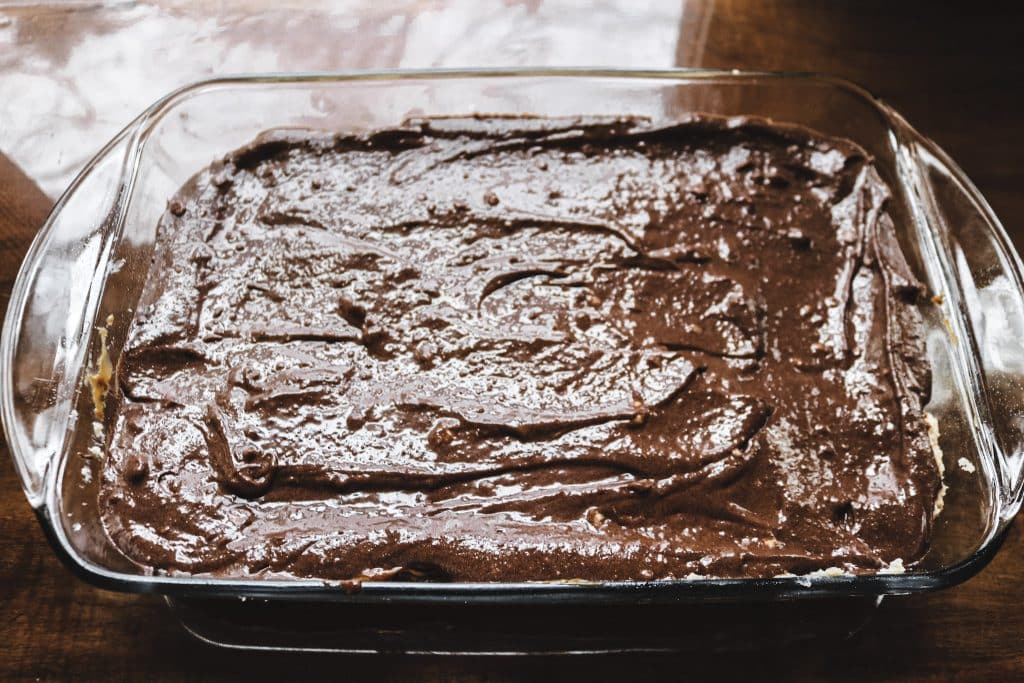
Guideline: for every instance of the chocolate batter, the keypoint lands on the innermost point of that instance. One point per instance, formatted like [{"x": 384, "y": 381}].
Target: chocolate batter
[{"x": 505, "y": 349}]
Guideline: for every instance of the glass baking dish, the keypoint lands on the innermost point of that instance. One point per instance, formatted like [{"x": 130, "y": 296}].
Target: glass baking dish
[{"x": 91, "y": 257}]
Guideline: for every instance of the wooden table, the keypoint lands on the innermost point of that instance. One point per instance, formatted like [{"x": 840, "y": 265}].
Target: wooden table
[{"x": 955, "y": 72}]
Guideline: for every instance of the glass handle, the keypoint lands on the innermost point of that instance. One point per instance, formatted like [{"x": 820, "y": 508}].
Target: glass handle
[
  {"x": 981, "y": 259},
  {"x": 47, "y": 329}
]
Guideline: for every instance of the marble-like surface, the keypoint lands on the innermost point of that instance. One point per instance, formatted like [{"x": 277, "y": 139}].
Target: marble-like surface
[{"x": 72, "y": 75}]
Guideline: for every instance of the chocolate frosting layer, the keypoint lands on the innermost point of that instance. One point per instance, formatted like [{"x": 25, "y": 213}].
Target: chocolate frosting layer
[{"x": 505, "y": 349}]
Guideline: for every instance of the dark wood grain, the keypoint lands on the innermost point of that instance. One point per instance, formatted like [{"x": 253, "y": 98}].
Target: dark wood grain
[{"x": 954, "y": 70}]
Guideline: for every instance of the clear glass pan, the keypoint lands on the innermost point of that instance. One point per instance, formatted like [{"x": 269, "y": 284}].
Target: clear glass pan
[{"x": 91, "y": 257}]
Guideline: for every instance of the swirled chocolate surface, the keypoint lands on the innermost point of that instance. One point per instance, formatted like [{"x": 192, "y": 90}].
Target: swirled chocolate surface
[{"x": 502, "y": 349}]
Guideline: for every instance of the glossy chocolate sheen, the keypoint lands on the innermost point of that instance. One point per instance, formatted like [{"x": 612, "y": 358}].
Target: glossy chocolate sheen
[{"x": 506, "y": 349}]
